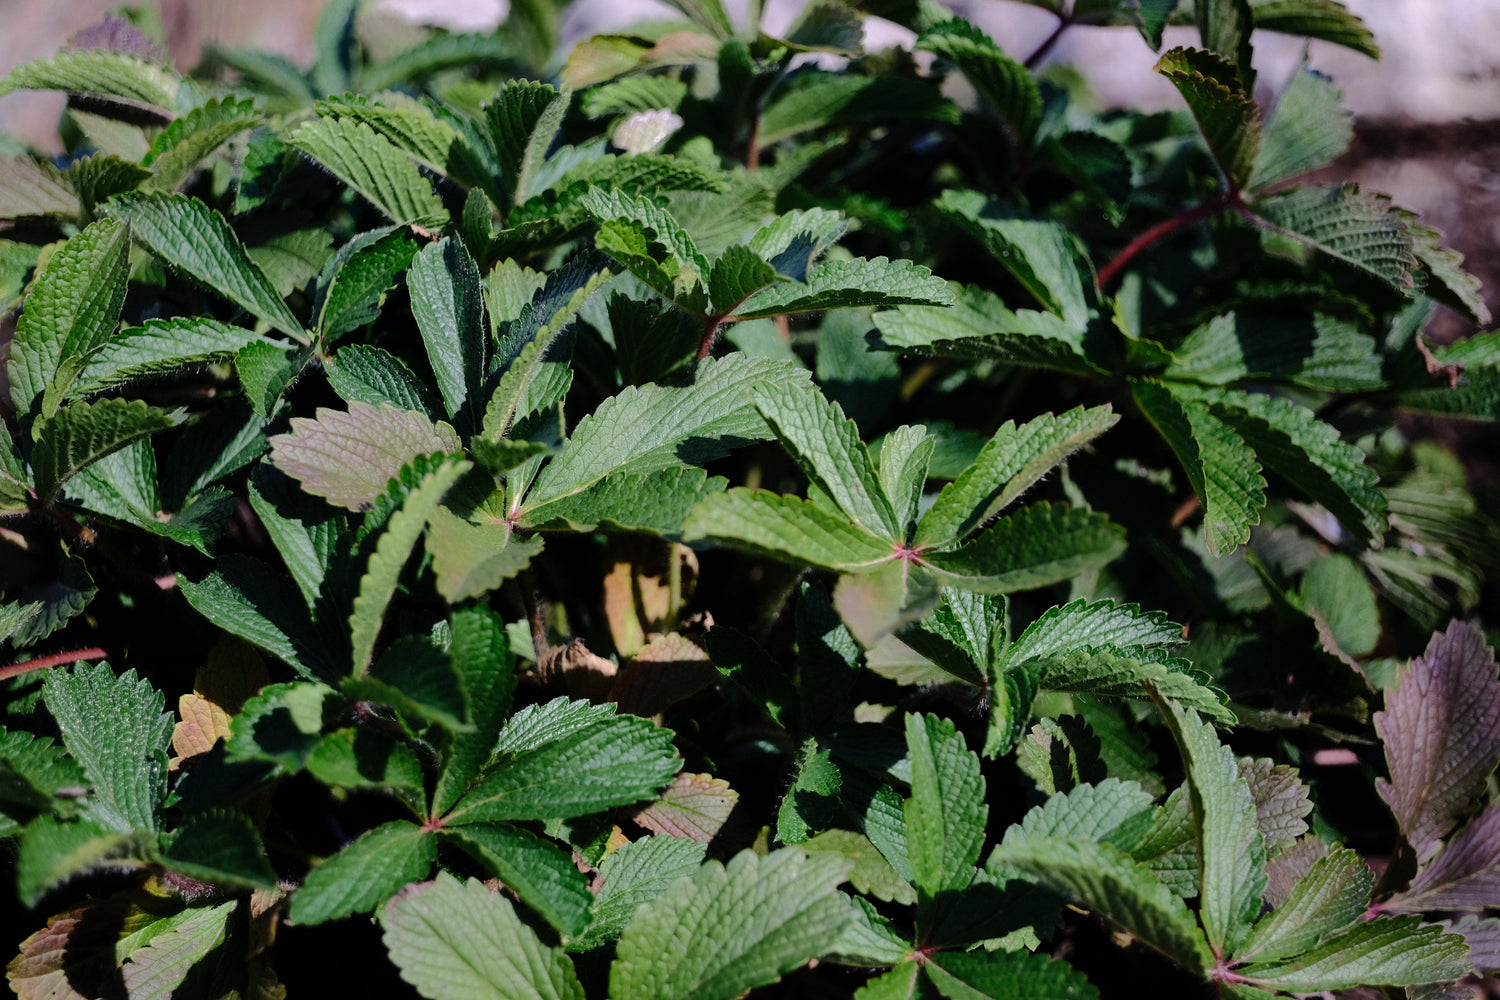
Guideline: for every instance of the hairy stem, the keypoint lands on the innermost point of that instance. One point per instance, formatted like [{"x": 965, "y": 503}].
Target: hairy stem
[
  {"x": 533, "y": 613},
  {"x": 711, "y": 328},
  {"x": 56, "y": 659},
  {"x": 1162, "y": 230}
]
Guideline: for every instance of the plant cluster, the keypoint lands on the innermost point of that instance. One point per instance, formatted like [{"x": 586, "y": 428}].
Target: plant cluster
[{"x": 746, "y": 507}]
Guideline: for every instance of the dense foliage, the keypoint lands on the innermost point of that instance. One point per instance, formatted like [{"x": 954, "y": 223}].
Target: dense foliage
[{"x": 745, "y": 507}]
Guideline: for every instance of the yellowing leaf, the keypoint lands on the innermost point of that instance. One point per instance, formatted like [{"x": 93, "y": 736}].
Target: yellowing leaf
[
  {"x": 234, "y": 672},
  {"x": 693, "y": 806}
]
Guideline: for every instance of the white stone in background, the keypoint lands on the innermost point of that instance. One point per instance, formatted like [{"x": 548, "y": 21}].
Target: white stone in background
[{"x": 454, "y": 15}]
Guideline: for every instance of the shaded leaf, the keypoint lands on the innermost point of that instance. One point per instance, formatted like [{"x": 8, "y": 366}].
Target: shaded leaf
[{"x": 365, "y": 873}]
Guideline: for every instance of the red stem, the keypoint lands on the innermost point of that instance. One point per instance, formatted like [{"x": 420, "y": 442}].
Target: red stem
[
  {"x": 43, "y": 662},
  {"x": 710, "y": 336},
  {"x": 1162, "y": 230}
]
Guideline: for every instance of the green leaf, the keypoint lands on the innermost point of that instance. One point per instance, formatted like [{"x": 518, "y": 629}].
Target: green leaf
[
  {"x": 1220, "y": 465},
  {"x": 1321, "y": 351},
  {"x": 744, "y": 925},
  {"x": 613, "y": 761},
  {"x": 110, "y": 74},
  {"x": 266, "y": 370},
  {"x": 371, "y": 165},
  {"x": 292, "y": 260},
  {"x": 1225, "y": 112},
  {"x": 906, "y": 981},
  {"x": 447, "y": 299},
  {"x": 946, "y": 814},
  {"x": 1386, "y": 951},
  {"x": 1231, "y": 850},
  {"x": 460, "y": 941},
  {"x": 221, "y": 848},
  {"x": 34, "y": 769},
  {"x": 1010, "y": 463},
  {"x": 848, "y": 284},
  {"x": 363, "y": 759},
  {"x": 818, "y": 100},
  {"x": 482, "y": 654},
  {"x": 114, "y": 727},
  {"x": 28, "y": 187},
  {"x": 82, "y": 433},
  {"x": 365, "y": 873},
  {"x": 1007, "y": 975},
  {"x": 737, "y": 275},
  {"x": 439, "y": 52},
  {"x": 364, "y": 374},
  {"x": 348, "y": 457},
  {"x": 52, "y": 851},
  {"x": 471, "y": 560},
  {"x": 523, "y": 119},
  {"x": 1335, "y": 592},
  {"x": 416, "y": 131},
  {"x": 649, "y": 243},
  {"x": 1359, "y": 233},
  {"x": 378, "y": 584},
  {"x": 1107, "y": 881},
  {"x": 810, "y": 803},
  {"x": 355, "y": 282},
  {"x": 70, "y": 313},
  {"x": 784, "y": 527},
  {"x": 829, "y": 452},
  {"x": 1309, "y": 128},
  {"x": 247, "y": 598},
  {"x": 644, "y": 428},
  {"x": 1446, "y": 280},
  {"x": 419, "y": 680},
  {"x": 196, "y": 240},
  {"x": 1037, "y": 546},
  {"x": 1328, "y": 20},
  {"x": 1330, "y": 897},
  {"x": 1292, "y": 442},
  {"x": 1224, "y": 27},
  {"x": 540, "y": 872},
  {"x": 163, "y": 346},
  {"x": 637, "y": 873},
  {"x": 98, "y": 177},
  {"x": 1042, "y": 255},
  {"x": 184, "y": 144},
  {"x": 980, "y": 326},
  {"x": 1004, "y": 84},
  {"x": 658, "y": 502},
  {"x": 792, "y": 241},
  {"x": 1112, "y": 673},
  {"x": 1080, "y": 623},
  {"x": 539, "y": 725},
  {"x": 904, "y": 458},
  {"x": 1111, "y": 812}
]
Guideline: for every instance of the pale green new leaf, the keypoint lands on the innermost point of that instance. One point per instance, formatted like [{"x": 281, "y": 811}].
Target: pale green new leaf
[
  {"x": 847, "y": 284},
  {"x": 904, "y": 458},
  {"x": 1231, "y": 850},
  {"x": 783, "y": 527},
  {"x": 1122, "y": 673},
  {"x": 195, "y": 239},
  {"x": 1386, "y": 951},
  {"x": 183, "y": 144},
  {"x": 69, "y": 315},
  {"x": 378, "y": 584},
  {"x": 1309, "y": 128},
  {"x": 946, "y": 814},
  {"x": 540, "y": 872},
  {"x": 1226, "y": 114},
  {"x": 447, "y": 300},
  {"x": 1221, "y": 467},
  {"x": 523, "y": 119},
  {"x": 650, "y": 427},
  {"x": 636, "y": 874},
  {"x": 347, "y": 457},
  {"x": 371, "y": 164},
  {"x": 1107, "y": 881},
  {"x": 461, "y": 941},
  {"x": 1103, "y": 623},
  {"x": 1331, "y": 896},
  {"x": 471, "y": 560},
  {"x": 1359, "y": 233},
  {"x": 827, "y": 448},
  {"x": 1036, "y": 546},
  {"x": 614, "y": 761},
  {"x": 1005, "y": 84},
  {"x": 96, "y": 71},
  {"x": 114, "y": 727},
  {"x": 732, "y": 928},
  {"x": 365, "y": 873},
  {"x": 1042, "y": 255},
  {"x": 82, "y": 433},
  {"x": 160, "y": 346},
  {"x": 1010, "y": 463},
  {"x": 1308, "y": 453}
]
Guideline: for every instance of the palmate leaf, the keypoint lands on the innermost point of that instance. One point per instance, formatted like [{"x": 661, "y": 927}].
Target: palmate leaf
[
  {"x": 1220, "y": 465},
  {"x": 447, "y": 300},
  {"x": 1006, "y": 85},
  {"x": 1358, "y": 233},
  {"x": 461, "y": 941},
  {"x": 371, "y": 165},
  {"x": 160, "y": 346},
  {"x": 540, "y": 872},
  {"x": 746, "y": 923},
  {"x": 73, "y": 307},
  {"x": 1225, "y": 112},
  {"x": 82, "y": 433},
  {"x": 378, "y": 583},
  {"x": 1440, "y": 736},
  {"x": 195, "y": 239},
  {"x": 348, "y": 457},
  {"x": 1036, "y": 546},
  {"x": 1330, "y": 897},
  {"x": 1010, "y": 463},
  {"x": 1042, "y": 255},
  {"x": 1386, "y": 951},
  {"x": 1309, "y": 128},
  {"x": 110, "y": 74},
  {"x": 184, "y": 144},
  {"x": 365, "y": 873},
  {"x": 946, "y": 814}
]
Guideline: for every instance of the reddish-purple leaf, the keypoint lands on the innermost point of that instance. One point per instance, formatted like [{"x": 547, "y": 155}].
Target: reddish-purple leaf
[
  {"x": 1281, "y": 802},
  {"x": 693, "y": 805},
  {"x": 1465, "y": 876},
  {"x": 1441, "y": 728},
  {"x": 1483, "y": 935}
]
